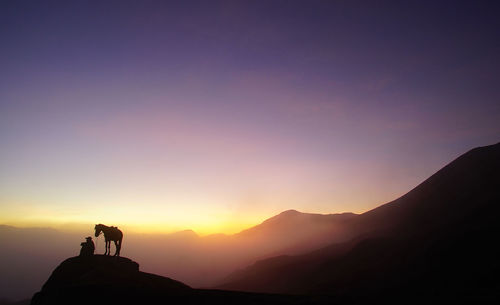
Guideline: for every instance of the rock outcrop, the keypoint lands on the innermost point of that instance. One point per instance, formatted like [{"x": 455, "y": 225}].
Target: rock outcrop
[{"x": 105, "y": 279}]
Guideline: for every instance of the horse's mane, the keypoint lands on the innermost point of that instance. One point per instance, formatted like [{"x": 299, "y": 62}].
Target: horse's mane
[{"x": 102, "y": 226}]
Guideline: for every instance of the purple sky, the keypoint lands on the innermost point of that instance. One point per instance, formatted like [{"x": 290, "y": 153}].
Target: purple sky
[{"x": 215, "y": 115}]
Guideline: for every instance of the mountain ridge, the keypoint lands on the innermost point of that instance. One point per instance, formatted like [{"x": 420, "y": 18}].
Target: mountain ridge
[{"x": 415, "y": 242}]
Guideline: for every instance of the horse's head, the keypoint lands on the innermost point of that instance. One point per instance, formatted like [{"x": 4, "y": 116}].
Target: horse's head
[{"x": 98, "y": 229}]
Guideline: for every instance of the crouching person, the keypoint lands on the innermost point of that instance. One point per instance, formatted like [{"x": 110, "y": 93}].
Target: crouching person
[{"x": 88, "y": 247}]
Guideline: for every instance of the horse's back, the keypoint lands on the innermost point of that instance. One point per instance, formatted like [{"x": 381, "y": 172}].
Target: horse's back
[{"x": 119, "y": 233}]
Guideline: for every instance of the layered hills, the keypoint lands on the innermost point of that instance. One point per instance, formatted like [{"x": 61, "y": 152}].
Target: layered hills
[
  {"x": 30, "y": 254},
  {"x": 436, "y": 242}
]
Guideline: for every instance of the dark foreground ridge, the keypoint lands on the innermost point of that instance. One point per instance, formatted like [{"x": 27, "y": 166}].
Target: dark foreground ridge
[
  {"x": 103, "y": 279},
  {"x": 85, "y": 280}
]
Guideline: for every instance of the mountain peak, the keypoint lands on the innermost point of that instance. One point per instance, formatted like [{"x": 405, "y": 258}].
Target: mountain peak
[
  {"x": 290, "y": 212},
  {"x": 186, "y": 233}
]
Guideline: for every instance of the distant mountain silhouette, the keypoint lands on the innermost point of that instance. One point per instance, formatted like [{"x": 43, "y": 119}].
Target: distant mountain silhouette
[
  {"x": 290, "y": 219},
  {"x": 203, "y": 261},
  {"x": 437, "y": 243},
  {"x": 293, "y": 232},
  {"x": 103, "y": 279},
  {"x": 187, "y": 234}
]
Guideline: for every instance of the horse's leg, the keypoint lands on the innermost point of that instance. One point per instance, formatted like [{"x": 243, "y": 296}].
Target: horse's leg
[
  {"x": 109, "y": 247},
  {"x": 116, "y": 248},
  {"x": 119, "y": 246},
  {"x": 106, "y": 247}
]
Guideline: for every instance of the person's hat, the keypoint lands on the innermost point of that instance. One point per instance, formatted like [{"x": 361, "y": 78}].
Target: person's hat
[{"x": 88, "y": 237}]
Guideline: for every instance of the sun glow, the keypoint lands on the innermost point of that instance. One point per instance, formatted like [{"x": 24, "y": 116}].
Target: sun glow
[{"x": 134, "y": 220}]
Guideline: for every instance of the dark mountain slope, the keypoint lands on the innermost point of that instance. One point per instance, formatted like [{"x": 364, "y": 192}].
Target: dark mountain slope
[
  {"x": 470, "y": 185},
  {"x": 435, "y": 242}
]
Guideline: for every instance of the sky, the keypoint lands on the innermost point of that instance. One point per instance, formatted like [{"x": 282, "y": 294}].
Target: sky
[{"x": 159, "y": 116}]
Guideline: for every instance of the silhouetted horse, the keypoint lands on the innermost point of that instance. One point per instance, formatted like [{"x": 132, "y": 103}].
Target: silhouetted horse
[{"x": 110, "y": 234}]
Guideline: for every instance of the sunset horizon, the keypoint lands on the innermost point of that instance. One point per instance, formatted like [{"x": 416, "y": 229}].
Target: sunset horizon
[
  {"x": 158, "y": 228},
  {"x": 212, "y": 222}
]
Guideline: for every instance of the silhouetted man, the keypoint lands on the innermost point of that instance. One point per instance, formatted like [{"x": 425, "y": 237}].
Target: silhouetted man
[{"x": 88, "y": 247}]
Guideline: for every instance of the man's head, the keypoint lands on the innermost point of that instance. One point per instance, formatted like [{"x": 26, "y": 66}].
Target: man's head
[{"x": 88, "y": 238}]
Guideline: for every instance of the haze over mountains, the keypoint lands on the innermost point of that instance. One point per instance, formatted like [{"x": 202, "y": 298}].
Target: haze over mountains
[
  {"x": 30, "y": 254},
  {"x": 437, "y": 242}
]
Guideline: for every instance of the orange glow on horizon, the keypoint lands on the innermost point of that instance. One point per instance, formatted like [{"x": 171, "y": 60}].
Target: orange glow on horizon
[
  {"x": 78, "y": 225},
  {"x": 162, "y": 215}
]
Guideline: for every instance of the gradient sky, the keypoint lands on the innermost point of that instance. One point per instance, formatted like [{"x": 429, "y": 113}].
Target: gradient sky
[{"x": 161, "y": 116}]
